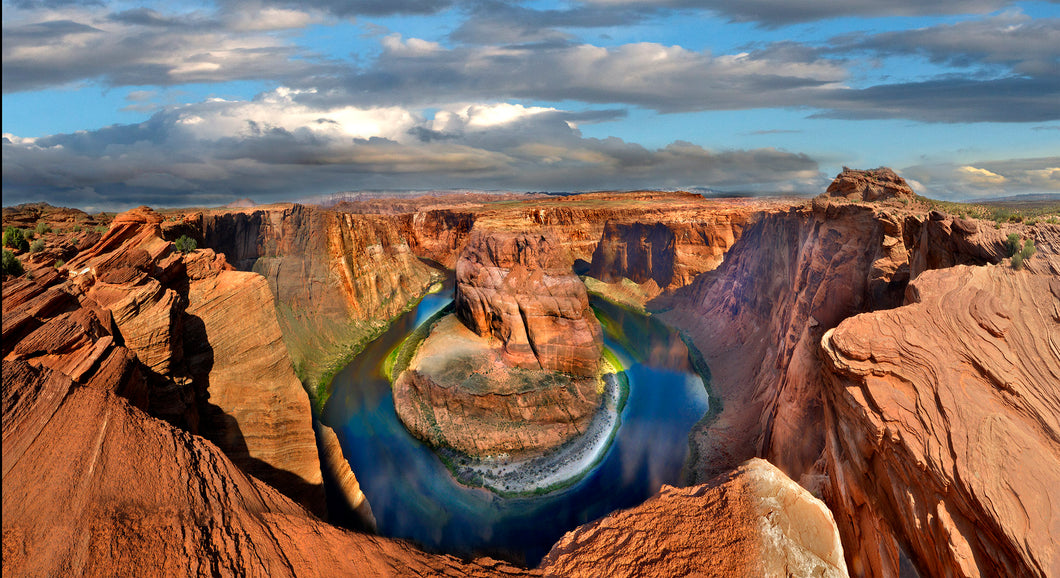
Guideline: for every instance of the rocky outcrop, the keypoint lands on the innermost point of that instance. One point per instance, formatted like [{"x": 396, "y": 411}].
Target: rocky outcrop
[
  {"x": 752, "y": 522},
  {"x": 943, "y": 431},
  {"x": 869, "y": 185},
  {"x": 210, "y": 346},
  {"x": 459, "y": 392},
  {"x": 95, "y": 487},
  {"x": 759, "y": 318},
  {"x": 45, "y": 325},
  {"x": 513, "y": 287}
]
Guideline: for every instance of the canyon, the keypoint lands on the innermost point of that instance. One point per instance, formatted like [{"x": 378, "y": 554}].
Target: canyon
[{"x": 896, "y": 374}]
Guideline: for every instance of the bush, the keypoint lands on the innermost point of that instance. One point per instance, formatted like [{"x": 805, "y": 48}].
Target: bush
[
  {"x": 59, "y": 263},
  {"x": 1028, "y": 249},
  {"x": 101, "y": 229},
  {"x": 36, "y": 246},
  {"x": 1012, "y": 245},
  {"x": 12, "y": 266},
  {"x": 185, "y": 244},
  {"x": 42, "y": 228},
  {"x": 1017, "y": 261},
  {"x": 15, "y": 239}
]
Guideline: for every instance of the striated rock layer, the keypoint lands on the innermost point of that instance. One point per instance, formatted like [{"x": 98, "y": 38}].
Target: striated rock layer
[
  {"x": 514, "y": 287},
  {"x": 210, "y": 346},
  {"x": 944, "y": 426}
]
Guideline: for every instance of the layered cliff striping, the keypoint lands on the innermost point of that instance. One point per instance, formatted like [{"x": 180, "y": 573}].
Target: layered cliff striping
[{"x": 209, "y": 347}]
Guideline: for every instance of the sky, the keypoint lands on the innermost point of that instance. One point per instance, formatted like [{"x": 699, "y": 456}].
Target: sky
[{"x": 109, "y": 105}]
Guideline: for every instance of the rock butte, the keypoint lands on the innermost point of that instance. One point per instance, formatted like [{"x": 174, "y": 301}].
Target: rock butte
[
  {"x": 515, "y": 369},
  {"x": 882, "y": 355}
]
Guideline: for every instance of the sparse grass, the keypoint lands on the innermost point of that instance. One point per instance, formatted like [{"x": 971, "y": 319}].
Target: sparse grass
[
  {"x": 43, "y": 228},
  {"x": 36, "y": 246}
]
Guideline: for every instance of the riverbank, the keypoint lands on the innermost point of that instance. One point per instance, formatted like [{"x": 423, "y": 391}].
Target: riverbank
[{"x": 556, "y": 469}]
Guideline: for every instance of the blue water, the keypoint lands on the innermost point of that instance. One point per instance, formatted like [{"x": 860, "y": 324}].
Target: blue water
[{"x": 415, "y": 497}]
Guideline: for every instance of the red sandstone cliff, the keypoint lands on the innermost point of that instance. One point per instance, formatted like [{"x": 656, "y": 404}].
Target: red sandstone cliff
[{"x": 943, "y": 427}]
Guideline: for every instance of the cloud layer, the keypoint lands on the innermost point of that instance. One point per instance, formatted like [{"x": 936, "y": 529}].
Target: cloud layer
[{"x": 275, "y": 148}]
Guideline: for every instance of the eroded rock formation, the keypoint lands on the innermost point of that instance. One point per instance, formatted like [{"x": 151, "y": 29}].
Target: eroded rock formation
[
  {"x": 513, "y": 286},
  {"x": 941, "y": 407},
  {"x": 869, "y": 185}
]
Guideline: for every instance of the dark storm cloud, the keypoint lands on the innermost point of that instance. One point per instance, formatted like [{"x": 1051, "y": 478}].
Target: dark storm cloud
[
  {"x": 950, "y": 100},
  {"x": 654, "y": 76},
  {"x": 782, "y": 12},
  {"x": 510, "y": 23},
  {"x": 1011, "y": 40},
  {"x": 143, "y": 47}
]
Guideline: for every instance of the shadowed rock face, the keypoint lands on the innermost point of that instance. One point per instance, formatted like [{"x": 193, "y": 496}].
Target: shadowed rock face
[
  {"x": 759, "y": 320},
  {"x": 513, "y": 287}
]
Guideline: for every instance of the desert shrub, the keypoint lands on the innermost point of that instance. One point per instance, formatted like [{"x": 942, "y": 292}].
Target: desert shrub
[
  {"x": 36, "y": 246},
  {"x": 42, "y": 228},
  {"x": 15, "y": 239},
  {"x": 59, "y": 263},
  {"x": 76, "y": 228},
  {"x": 1012, "y": 245},
  {"x": 1017, "y": 261},
  {"x": 101, "y": 229},
  {"x": 11, "y": 264},
  {"x": 185, "y": 244},
  {"x": 1028, "y": 249}
]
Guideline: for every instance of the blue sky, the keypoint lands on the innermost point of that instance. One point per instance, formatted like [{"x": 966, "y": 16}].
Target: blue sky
[{"x": 108, "y": 105}]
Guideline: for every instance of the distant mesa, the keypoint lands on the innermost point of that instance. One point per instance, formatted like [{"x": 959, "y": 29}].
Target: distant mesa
[
  {"x": 878, "y": 184},
  {"x": 241, "y": 204}
]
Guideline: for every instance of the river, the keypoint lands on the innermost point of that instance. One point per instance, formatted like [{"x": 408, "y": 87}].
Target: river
[{"x": 415, "y": 497}]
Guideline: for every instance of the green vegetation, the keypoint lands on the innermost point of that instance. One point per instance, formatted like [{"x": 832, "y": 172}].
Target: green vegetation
[
  {"x": 185, "y": 244},
  {"x": 12, "y": 266},
  {"x": 36, "y": 246},
  {"x": 1023, "y": 253},
  {"x": 398, "y": 359},
  {"x": 999, "y": 212},
  {"x": 42, "y": 228},
  {"x": 15, "y": 239},
  {"x": 100, "y": 229},
  {"x": 59, "y": 264},
  {"x": 1012, "y": 244}
]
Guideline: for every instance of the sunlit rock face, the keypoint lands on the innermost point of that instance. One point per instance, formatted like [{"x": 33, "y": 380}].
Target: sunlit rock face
[
  {"x": 754, "y": 521},
  {"x": 513, "y": 286}
]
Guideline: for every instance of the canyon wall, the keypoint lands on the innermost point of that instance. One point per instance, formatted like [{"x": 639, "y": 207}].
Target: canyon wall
[
  {"x": 337, "y": 278},
  {"x": 759, "y": 319}
]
